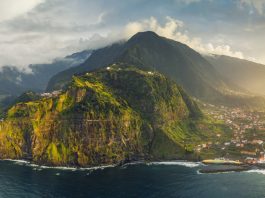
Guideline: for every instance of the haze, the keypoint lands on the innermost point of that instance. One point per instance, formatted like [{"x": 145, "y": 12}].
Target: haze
[{"x": 41, "y": 30}]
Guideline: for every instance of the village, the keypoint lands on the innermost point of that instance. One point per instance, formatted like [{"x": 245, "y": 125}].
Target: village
[{"x": 248, "y": 133}]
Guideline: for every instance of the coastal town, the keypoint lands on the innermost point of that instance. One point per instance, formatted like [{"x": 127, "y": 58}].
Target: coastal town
[{"x": 247, "y": 133}]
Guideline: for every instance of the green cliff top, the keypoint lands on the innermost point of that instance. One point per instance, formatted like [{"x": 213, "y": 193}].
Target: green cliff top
[{"x": 107, "y": 116}]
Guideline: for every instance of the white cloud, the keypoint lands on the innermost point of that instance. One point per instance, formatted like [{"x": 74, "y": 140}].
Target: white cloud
[
  {"x": 259, "y": 5},
  {"x": 173, "y": 29},
  {"x": 40, "y": 45},
  {"x": 188, "y": 1},
  {"x": 12, "y": 8},
  {"x": 55, "y": 28},
  {"x": 52, "y": 29}
]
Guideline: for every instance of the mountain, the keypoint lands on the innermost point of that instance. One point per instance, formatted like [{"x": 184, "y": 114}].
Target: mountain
[
  {"x": 106, "y": 117},
  {"x": 14, "y": 81},
  {"x": 241, "y": 72},
  {"x": 149, "y": 51}
]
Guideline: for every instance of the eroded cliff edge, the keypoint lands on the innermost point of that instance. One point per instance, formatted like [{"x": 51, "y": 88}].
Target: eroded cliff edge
[{"x": 105, "y": 117}]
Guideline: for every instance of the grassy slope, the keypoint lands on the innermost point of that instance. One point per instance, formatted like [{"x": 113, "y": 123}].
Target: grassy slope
[{"x": 107, "y": 116}]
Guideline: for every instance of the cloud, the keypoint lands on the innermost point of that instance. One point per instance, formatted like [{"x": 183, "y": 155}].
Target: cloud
[
  {"x": 12, "y": 8},
  {"x": 188, "y": 1},
  {"x": 41, "y": 42},
  {"x": 174, "y": 29},
  {"x": 54, "y": 28},
  {"x": 47, "y": 29},
  {"x": 259, "y": 5}
]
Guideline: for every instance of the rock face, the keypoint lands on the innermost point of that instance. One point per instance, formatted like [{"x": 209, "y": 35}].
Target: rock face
[
  {"x": 149, "y": 51},
  {"x": 103, "y": 117}
]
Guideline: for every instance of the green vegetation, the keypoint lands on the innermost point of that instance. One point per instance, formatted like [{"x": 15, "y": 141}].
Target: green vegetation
[
  {"x": 151, "y": 52},
  {"x": 107, "y": 116}
]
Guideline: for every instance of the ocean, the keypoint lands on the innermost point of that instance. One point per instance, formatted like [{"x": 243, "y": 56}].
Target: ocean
[{"x": 156, "y": 180}]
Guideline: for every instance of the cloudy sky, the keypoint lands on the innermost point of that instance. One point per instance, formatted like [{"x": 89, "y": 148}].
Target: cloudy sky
[{"x": 37, "y": 31}]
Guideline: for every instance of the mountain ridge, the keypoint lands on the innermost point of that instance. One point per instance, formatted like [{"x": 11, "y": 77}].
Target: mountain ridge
[
  {"x": 105, "y": 117},
  {"x": 245, "y": 73},
  {"x": 136, "y": 51},
  {"x": 37, "y": 77},
  {"x": 188, "y": 68}
]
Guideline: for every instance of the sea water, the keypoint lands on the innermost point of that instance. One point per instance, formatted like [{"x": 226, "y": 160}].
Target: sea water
[{"x": 156, "y": 179}]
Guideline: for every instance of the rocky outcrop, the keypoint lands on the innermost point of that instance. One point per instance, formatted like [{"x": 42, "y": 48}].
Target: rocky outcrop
[{"x": 104, "y": 117}]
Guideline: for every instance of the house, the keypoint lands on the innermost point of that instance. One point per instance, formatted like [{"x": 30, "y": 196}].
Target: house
[
  {"x": 257, "y": 142},
  {"x": 251, "y": 160}
]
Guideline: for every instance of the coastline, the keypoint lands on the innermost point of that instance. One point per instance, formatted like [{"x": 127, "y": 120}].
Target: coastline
[
  {"x": 71, "y": 168},
  {"x": 202, "y": 168},
  {"x": 224, "y": 168},
  {"x": 189, "y": 164}
]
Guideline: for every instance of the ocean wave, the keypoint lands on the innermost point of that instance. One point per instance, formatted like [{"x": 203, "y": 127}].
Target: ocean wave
[
  {"x": 98, "y": 167},
  {"x": 65, "y": 168},
  {"x": 54, "y": 167},
  {"x": 256, "y": 171},
  {"x": 178, "y": 163},
  {"x": 133, "y": 164},
  {"x": 17, "y": 161},
  {"x": 217, "y": 173}
]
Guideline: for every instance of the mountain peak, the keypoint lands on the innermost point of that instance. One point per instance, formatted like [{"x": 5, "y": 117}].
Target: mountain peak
[
  {"x": 148, "y": 35},
  {"x": 149, "y": 51}
]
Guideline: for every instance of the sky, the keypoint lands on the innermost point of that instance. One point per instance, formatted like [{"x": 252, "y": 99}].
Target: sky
[{"x": 37, "y": 31}]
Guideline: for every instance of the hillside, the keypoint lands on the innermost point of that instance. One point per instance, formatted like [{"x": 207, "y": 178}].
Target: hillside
[
  {"x": 149, "y": 51},
  {"x": 241, "y": 72},
  {"x": 104, "y": 117},
  {"x": 14, "y": 82}
]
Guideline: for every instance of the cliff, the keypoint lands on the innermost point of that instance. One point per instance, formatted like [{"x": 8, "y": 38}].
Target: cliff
[{"x": 104, "y": 117}]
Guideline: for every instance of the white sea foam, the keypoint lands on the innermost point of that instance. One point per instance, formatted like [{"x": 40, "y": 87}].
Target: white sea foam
[
  {"x": 17, "y": 161},
  {"x": 41, "y": 167},
  {"x": 257, "y": 171},
  {"x": 217, "y": 173},
  {"x": 65, "y": 168},
  {"x": 178, "y": 163},
  {"x": 98, "y": 167},
  {"x": 124, "y": 166},
  {"x": 58, "y": 167},
  {"x": 134, "y": 163}
]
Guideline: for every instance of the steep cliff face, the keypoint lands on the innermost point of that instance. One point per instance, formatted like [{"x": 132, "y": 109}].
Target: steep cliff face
[
  {"x": 149, "y": 51},
  {"x": 104, "y": 117}
]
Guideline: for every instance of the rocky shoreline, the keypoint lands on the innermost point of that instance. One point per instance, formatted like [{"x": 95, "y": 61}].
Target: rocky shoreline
[
  {"x": 224, "y": 168},
  {"x": 206, "y": 168}
]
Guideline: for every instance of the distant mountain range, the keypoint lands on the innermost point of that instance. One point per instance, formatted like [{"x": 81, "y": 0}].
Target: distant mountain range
[
  {"x": 149, "y": 51},
  {"x": 14, "y": 81},
  {"x": 124, "y": 102},
  {"x": 246, "y": 74},
  {"x": 213, "y": 79}
]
